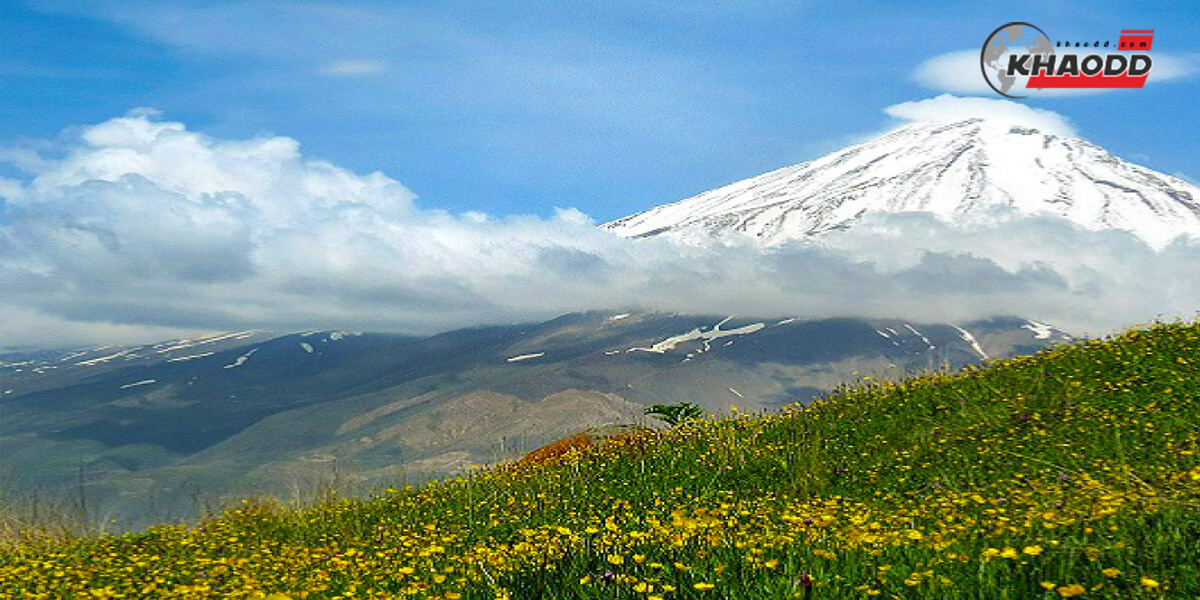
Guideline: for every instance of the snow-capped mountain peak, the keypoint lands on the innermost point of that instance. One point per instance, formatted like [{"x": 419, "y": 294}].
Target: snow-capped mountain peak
[{"x": 960, "y": 171}]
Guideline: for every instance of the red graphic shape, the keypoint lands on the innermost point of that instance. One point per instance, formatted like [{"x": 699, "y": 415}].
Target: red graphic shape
[
  {"x": 1085, "y": 82},
  {"x": 1136, "y": 40}
]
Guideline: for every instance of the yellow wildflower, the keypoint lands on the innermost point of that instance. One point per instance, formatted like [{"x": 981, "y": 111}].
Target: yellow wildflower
[{"x": 1070, "y": 591}]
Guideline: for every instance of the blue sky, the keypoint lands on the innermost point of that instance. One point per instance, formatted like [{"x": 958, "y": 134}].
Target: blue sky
[{"x": 511, "y": 108}]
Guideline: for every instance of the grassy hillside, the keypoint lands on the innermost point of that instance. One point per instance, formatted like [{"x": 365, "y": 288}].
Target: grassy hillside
[{"x": 1069, "y": 474}]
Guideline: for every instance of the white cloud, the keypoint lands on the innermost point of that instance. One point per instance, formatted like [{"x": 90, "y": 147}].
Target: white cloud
[
  {"x": 955, "y": 72},
  {"x": 141, "y": 229},
  {"x": 948, "y": 108},
  {"x": 358, "y": 67},
  {"x": 23, "y": 327},
  {"x": 1186, "y": 177},
  {"x": 958, "y": 72},
  {"x": 1171, "y": 67}
]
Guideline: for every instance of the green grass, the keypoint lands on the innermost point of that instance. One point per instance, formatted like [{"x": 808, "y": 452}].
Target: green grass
[{"x": 1072, "y": 473}]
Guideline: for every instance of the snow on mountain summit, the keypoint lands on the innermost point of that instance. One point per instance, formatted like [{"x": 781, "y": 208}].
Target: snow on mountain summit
[{"x": 960, "y": 171}]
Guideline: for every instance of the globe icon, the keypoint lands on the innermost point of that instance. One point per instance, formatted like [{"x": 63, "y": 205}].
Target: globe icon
[{"x": 1013, "y": 38}]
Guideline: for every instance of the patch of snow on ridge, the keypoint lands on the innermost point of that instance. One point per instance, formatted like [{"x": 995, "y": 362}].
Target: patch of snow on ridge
[
  {"x": 698, "y": 334},
  {"x": 921, "y": 335},
  {"x": 619, "y": 317},
  {"x": 307, "y": 347},
  {"x": 237, "y": 335},
  {"x": 525, "y": 357},
  {"x": 96, "y": 361},
  {"x": 139, "y": 383},
  {"x": 1040, "y": 331},
  {"x": 970, "y": 339},
  {"x": 241, "y": 360},
  {"x": 191, "y": 357}
]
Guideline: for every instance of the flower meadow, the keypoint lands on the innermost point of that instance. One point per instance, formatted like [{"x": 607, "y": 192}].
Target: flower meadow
[{"x": 1068, "y": 474}]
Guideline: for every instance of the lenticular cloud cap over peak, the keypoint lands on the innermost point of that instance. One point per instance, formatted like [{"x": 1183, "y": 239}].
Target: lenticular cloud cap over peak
[{"x": 1003, "y": 113}]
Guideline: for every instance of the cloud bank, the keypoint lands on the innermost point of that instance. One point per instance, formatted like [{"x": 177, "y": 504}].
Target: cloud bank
[{"x": 139, "y": 229}]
